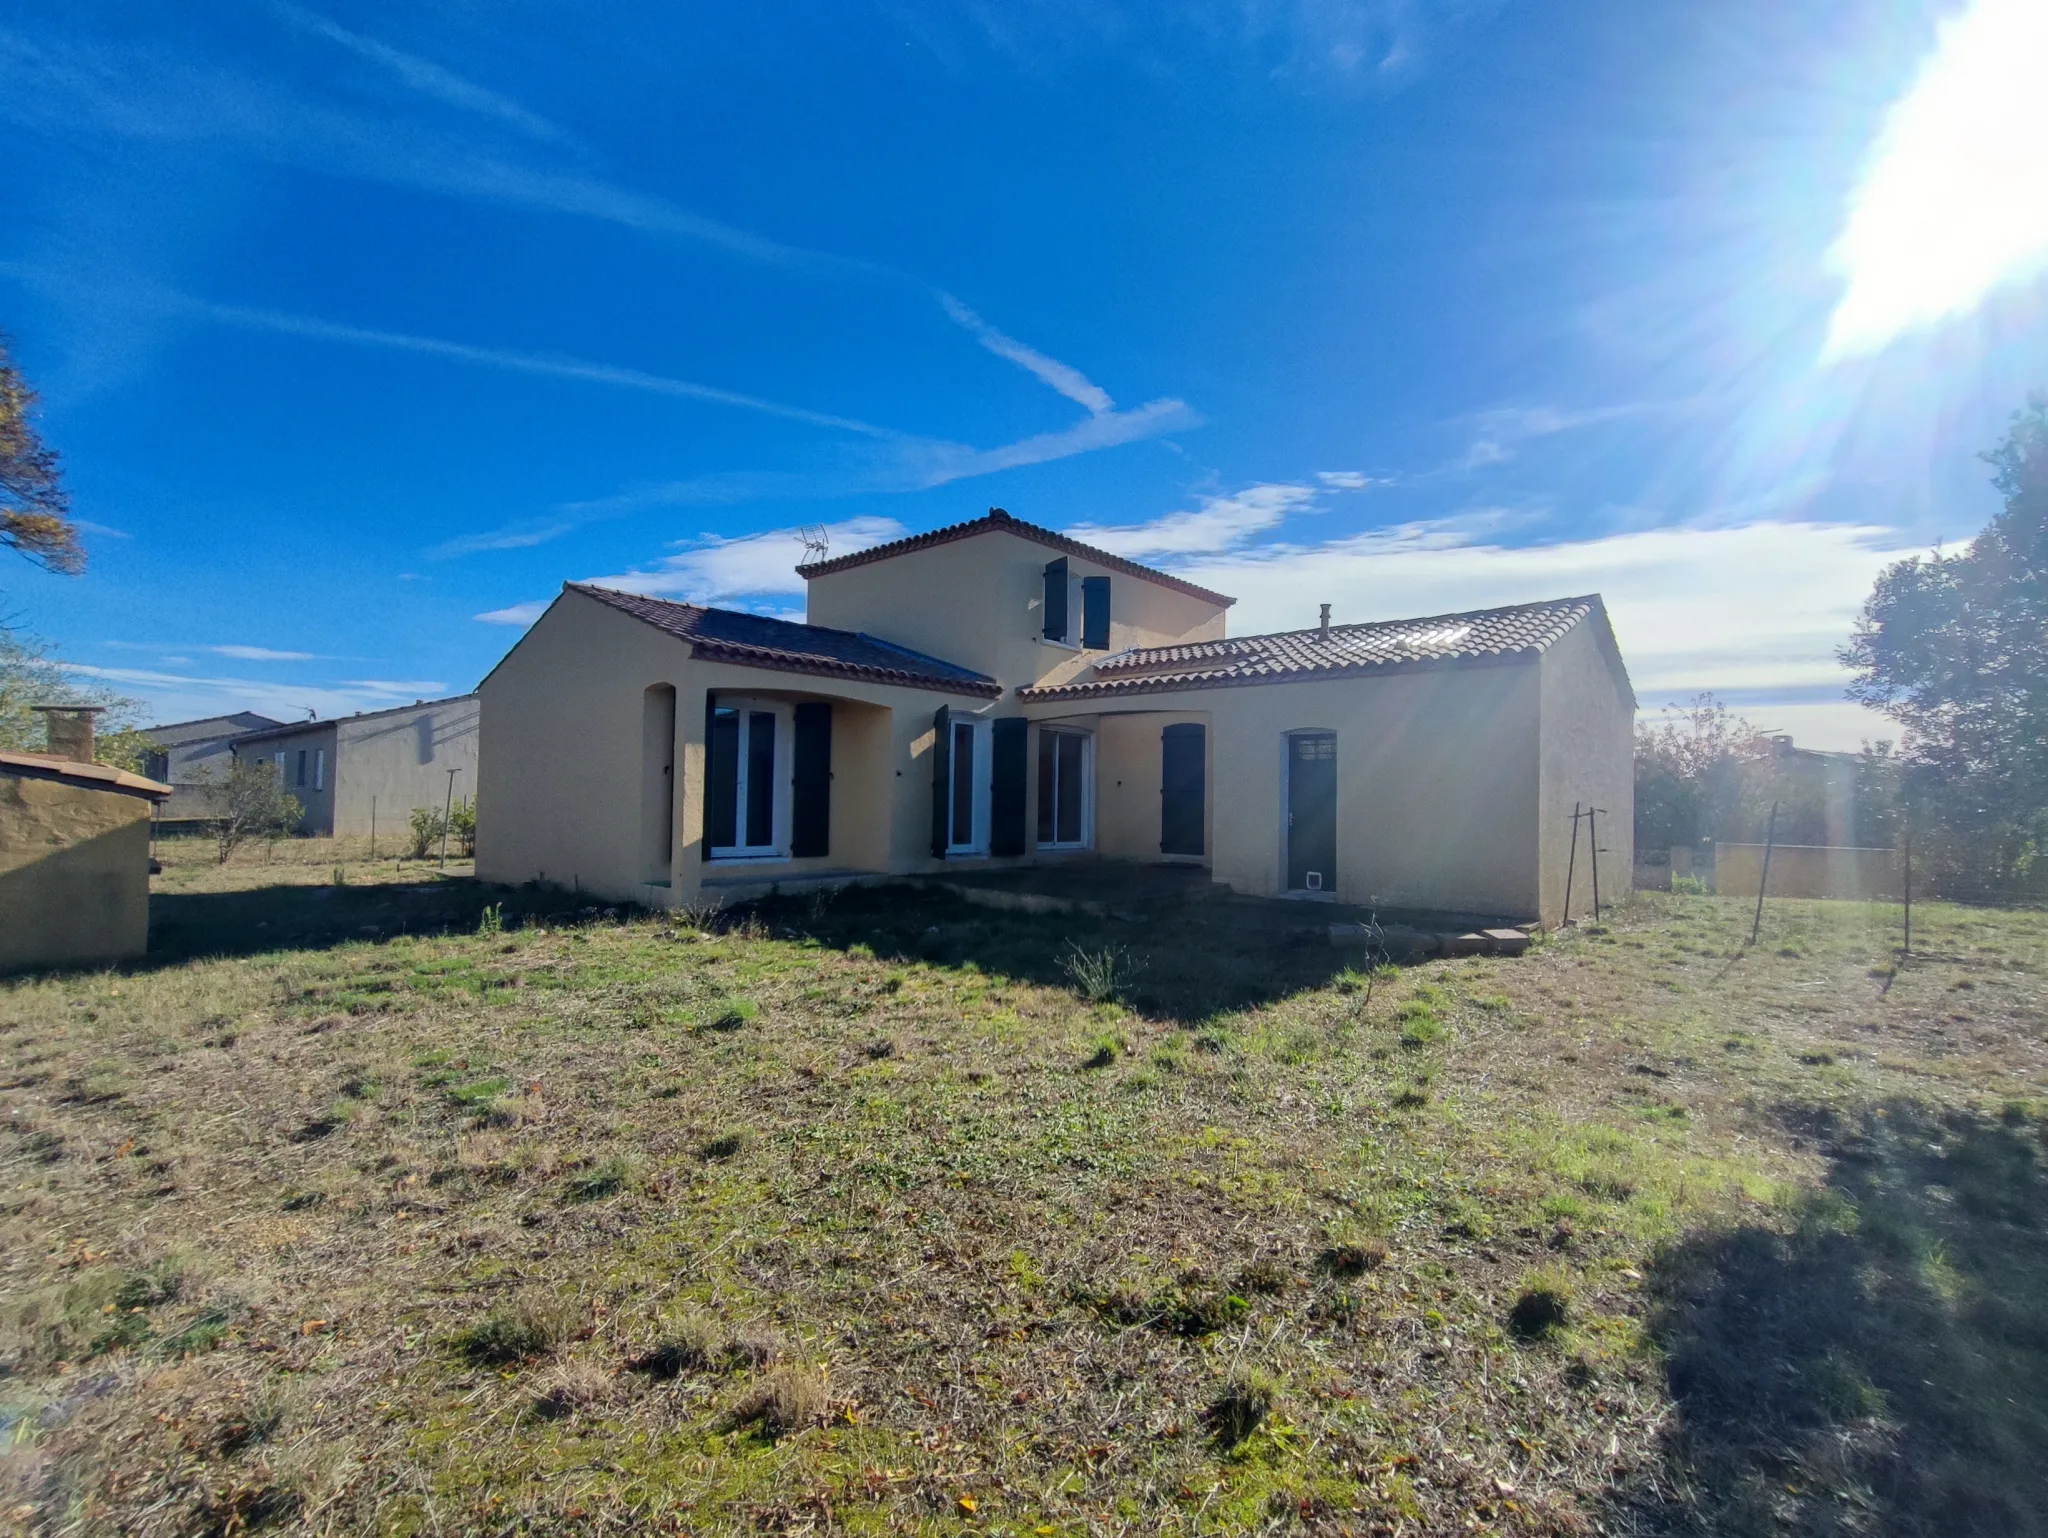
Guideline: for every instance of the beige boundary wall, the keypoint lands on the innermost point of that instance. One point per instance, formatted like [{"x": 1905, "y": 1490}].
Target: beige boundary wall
[{"x": 1809, "y": 870}]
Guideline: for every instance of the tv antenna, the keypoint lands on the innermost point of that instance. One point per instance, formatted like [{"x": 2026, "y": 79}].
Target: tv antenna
[{"x": 817, "y": 543}]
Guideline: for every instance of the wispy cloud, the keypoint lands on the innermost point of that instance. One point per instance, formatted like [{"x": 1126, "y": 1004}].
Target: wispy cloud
[
  {"x": 543, "y": 364},
  {"x": 259, "y": 654},
  {"x": 430, "y": 79},
  {"x": 1500, "y": 433},
  {"x": 1757, "y": 606},
  {"x": 1069, "y": 381},
  {"x": 520, "y": 614},
  {"x": 712, "y": 569},
  {"x": 181, "y": 695},
  {"x": 1217, "y": 523}
]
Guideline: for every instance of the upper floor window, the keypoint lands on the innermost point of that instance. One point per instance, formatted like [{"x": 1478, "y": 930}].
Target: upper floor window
[
  {"x": 1076, "y": 608},
  {"x": 319, "y": 768}
]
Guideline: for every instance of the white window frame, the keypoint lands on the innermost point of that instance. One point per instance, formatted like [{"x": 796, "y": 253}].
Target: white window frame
[
  {"x": 984, "y": 784},
  {"x": 1087, "y": 790},
  {"x": 783, "y": 807}
]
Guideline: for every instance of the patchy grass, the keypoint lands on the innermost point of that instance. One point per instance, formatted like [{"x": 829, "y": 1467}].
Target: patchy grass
[{"x": 390, "y": 1203}]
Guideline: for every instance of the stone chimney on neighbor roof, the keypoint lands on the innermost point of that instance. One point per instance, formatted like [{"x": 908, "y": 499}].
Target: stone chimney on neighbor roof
[
  {"x": 70, "y": 729},
  {"x": 1325, "y": 626}
]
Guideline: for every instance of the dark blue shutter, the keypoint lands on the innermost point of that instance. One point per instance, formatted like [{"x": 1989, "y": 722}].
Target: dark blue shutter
[
  {"x": 811, "y": 807},
  {"x": 1095, "y": 613},
  {"x": 711, "y": 807},
  {"x": 1056, "y": 599},
  {"x": 942, "y": 781},
  {"x": 1007, "y": 774}
]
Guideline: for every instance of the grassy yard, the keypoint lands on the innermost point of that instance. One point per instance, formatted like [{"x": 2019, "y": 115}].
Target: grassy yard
[{"x": 379, "y": 1201}]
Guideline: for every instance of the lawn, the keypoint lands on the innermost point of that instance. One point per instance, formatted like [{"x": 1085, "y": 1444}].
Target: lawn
[{"x": 379, "y": 1201}]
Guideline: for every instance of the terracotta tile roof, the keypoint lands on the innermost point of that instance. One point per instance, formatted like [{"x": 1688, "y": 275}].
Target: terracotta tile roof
[
  {"x": 754, "y": 640},
  {"x": 997, "y": 520},
  {"x": 45, "y": 766},
  {"x": 1518, "y": 633}
]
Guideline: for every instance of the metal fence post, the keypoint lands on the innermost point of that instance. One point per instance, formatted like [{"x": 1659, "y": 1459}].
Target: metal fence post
[{"x": 1770, "y": 837}]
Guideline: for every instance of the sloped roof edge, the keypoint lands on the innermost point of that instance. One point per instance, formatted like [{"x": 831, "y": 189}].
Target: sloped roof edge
[{"x": 998, "y": 521}]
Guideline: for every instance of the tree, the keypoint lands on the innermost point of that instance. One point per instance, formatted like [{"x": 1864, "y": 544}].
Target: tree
[
  {"x": 35, "y": 513},
  {"x": 249, "y": 801},
  {"x": 1691, "y": 779},
  {"x": 1955, "y": 649},
  {"x": 30, "y": 675}
]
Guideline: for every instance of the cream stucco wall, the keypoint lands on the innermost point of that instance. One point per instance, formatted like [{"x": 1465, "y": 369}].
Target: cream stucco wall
[
  {"x": 562, "y": 762},
  {"x": 74, "y": 873},
  {"x": 1128, "y": 773},
  {"x": 1437, "y": 779},
  {"x": 979, "y": 602},
  {"x": 1589, "y": 759}
]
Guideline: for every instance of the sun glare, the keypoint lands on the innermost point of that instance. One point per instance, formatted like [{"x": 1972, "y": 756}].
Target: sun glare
[{"x": 1954, "y": 198}]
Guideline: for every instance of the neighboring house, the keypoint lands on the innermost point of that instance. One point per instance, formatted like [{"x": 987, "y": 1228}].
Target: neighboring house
[
  {"x": 373, "y": 768},
  {"x": 74, "y": 854},
  {"x": 188, "y": 751},
  {"x": 995, "y": 693}
]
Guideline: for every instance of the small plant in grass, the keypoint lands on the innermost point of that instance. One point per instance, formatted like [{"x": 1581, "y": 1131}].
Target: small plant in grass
[
  {"x": 725, "y": 1145},
  {"x": 491, "y": 922},
  {"x": 1103, "y": 1050},
  {"x": 692, "y": 1344},
  {"x": 1100, "y": 976},
  {"x": 1241, "y": 1406},
  {"x": 1420, "y": 1027},
  {"x": 340, "y": 877},
  {"x": 570, "y": 1388},
  {"x": 729, "y": 1014},
  {"x": 608, "y": 1177},
  {"x": 785, "y": 1400},
  {"x": 1352, "y": 1255},
  {"x": 520, "y": 1330},
  {"x": 1544, "y": 1305},
  {"x": 1267, "y": 1274}
]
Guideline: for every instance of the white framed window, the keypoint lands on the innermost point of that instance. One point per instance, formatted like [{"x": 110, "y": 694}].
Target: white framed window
[
  {"x": 747, "y": 780},
  {"x": 1066, "y": 789},
  {"x": 972, "y": 752},
  {"x": 319, "y": 768}
]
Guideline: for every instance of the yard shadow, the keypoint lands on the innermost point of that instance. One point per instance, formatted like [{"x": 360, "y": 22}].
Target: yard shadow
[
  {"x": 1181, "y": 963},
  {"x": 1883, "y": 1368},
  {"x": 187, "y": 925}
]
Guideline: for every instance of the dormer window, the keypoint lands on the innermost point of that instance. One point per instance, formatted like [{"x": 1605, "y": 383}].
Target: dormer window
[{"x": 1076, "y": 608}]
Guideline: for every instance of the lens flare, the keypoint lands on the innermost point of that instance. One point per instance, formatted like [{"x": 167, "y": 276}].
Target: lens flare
[{"x": 1954, "y": 199}]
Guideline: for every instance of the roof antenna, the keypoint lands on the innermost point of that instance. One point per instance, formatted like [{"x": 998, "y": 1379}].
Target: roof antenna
[{"x": 817, "y": 542}]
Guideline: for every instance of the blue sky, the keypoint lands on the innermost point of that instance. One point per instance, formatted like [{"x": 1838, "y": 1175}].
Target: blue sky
[{"x": 361, "y": 328}]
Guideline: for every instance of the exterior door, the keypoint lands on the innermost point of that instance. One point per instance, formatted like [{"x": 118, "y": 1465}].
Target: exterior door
[
  {"x": 1312, "y": 812},
  {"x": 1183, "y": 788}
]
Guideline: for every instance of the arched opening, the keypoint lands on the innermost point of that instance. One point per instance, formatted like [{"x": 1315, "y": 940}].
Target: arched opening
[{"x": 657, "y": 783}]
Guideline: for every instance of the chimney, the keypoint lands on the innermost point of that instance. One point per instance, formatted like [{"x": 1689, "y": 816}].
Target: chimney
[
  {"x": 70, "y": 729},
  {"x": 1325, "y": 627}
]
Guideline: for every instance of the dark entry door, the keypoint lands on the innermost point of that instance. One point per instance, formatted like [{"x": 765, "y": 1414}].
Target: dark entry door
[
  {"x": 1312, "y": 812},
  {"x": 1182, "y": 788}
]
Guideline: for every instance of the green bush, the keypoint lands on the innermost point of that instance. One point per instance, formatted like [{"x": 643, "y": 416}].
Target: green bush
[{"x": 427, "y": 825}]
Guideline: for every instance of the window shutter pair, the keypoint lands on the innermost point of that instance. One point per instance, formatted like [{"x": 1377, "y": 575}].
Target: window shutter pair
[
  {"x": 810, "y": 830},
  {"x": 1094, "y": 607}
]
